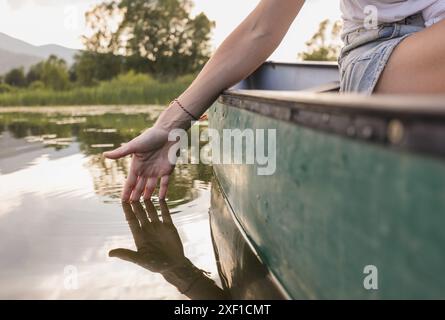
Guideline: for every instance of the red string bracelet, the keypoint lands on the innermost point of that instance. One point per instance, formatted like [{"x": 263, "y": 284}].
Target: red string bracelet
[{"x": 185, "y": 110}]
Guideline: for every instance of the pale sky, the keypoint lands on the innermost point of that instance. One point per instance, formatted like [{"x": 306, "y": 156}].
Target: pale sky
[{"x": 62, "y": 21}]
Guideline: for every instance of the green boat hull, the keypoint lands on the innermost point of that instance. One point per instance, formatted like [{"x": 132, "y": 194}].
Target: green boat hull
[
  {"x": 243, "y": 274},
  {"x": 334, "y": 206}
]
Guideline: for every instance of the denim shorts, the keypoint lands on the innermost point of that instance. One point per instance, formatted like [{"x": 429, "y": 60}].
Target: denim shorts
[{"x": 367, "y": 51}]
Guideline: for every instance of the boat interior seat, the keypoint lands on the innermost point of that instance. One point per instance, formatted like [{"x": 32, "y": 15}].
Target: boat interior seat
[
  {"x": 332, "y": 87},
  {"x": 301, "y": 77}
]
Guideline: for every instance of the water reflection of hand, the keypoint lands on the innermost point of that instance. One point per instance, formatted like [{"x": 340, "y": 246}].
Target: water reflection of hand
[
  {"x": 158, "y": 244},
  {"x": 150, "y": 162},
  {"x": 159, "y": 249}
]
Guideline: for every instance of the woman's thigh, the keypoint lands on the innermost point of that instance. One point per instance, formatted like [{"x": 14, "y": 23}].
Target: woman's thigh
[{"x": 417, "y": 64}]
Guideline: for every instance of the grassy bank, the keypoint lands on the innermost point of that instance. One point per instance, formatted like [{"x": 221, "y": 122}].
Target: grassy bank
[{"x": 125, "y": 89}]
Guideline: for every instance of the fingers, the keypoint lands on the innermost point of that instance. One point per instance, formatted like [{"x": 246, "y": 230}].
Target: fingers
[
  {"x": 120, "y": 152},
  {"x": 129, "y": 186},
  {"x": 166, "y": 217},
  {"x": 138, "y": 189},
  {"x": 128, "y": 210},
  {"x": 134, "y": 223},
  {"x": 136, "y": 186},
  {"x": 140, "y": 213},
  {"x": 151, "y": 210},
  {"x": 124, "y": 254},
  {"x": 150, "y": 187},
  {"x": 163, "y": 187}
]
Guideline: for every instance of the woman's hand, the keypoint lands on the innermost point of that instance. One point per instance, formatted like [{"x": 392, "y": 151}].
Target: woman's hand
[
  {"x": 239, "y": 55},
  {"x": 150, "y": 162}
]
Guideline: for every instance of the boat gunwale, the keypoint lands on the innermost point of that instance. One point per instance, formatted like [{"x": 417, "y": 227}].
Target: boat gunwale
[
  {"x": 376, "y": 119},
  {"x": 383, "y": 105},
  {"x": 309, "y": 64}
]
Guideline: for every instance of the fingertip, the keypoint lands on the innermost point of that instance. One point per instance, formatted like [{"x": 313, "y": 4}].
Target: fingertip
[
  {"x": 163, "y": 187},
  {"x": 148, "y": 193},
  {"x": 125, "y": 198},
  {"x": 109, "y": 155},
  {"x": 131, "y": 199},
  {"x": 122, "y": 151},
  {"x": 115, "y": 253}
]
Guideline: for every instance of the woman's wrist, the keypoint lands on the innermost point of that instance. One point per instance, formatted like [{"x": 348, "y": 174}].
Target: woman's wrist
[
  {"x": 183, "y": 275},
  {"x": 175, "y": 117},
  {"x": 179, "y": 104}
]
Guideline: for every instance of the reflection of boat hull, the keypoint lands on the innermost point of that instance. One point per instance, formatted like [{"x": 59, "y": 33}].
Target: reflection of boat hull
[
  {"x": 242, "y": 273},
  {"x": 359, "y": 182}
]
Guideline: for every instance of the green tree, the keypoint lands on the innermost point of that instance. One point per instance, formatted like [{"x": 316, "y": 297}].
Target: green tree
[
  {"x": 5, "y": 88},
  {"x": 161, "y": 32},
  {"x": 16, "y": 77},
  {"x": 36, "y": 85},
  {"x": 35, "y": 73},
  {"x": 324, "y": 44},
  {"x": 136, "y": 63},
  {"x": 91, "y": 67},
  {"x": 54, "y": 73}
]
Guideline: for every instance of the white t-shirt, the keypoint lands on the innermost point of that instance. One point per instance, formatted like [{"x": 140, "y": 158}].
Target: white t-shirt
[{"x": 355, "y": 12}]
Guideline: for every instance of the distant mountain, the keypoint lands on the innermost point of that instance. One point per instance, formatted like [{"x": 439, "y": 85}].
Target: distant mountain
[
  {"x": 62, "y": 52},
  {"x": 10, "y": 60},
  {"x": 26, "y": 54}
]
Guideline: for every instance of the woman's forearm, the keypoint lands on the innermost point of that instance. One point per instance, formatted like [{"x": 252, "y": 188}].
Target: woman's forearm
[{"x": 243, "y": 51}]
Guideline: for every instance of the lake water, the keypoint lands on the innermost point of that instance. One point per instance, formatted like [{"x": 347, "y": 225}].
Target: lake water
[{"x": 60, "y": 212}]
